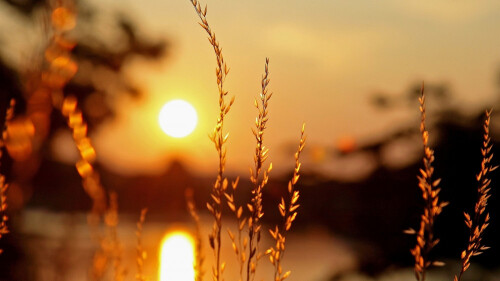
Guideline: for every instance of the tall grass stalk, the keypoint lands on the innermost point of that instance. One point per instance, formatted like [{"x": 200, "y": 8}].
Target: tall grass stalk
[
  {"x": 62, "y": 69},
  {"x": 479, "y": 221},
  {"x": 85, "y": 167},
  {"x": 258, "y": 181},
  {"x": 199, "y": 258},
  {"x": 4, "y": 229},
  {"x": 3, "y": 208},
  {"x": 219, "y": 139},
  {"x": 238, "y": 243},
  {"x": 113, "y": 244},
  {"x": 141, "y": 253},
  {"x": 433, "y": 206},
  {"x": 288, "y": 210}
]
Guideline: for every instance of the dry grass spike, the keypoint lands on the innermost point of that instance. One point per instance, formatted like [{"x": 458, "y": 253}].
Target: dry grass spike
[
  {"x": 219, "y": 139},
  {"x": 288, "y": 210},
  {"x": 90, "y": 177},
  {"x": 238, "y": 243},
  {"x": 259, "y": 181},
  {"x": 61, "y": 68},
  {"x": 90, "y": 181},
  {"x": 433, "y": 206},
  {"x": 3, "y": 208},
  {"x": 199, "y": 258},
  {"x": 141, "y": 253},
  {"x": 478, "y": 223},
  {"x": 3, "y": 185},
  {"x": 113, "y": 244}
]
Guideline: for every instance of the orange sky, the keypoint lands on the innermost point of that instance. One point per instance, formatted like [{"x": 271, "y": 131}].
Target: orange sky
[{"x": 326, "y": 60}]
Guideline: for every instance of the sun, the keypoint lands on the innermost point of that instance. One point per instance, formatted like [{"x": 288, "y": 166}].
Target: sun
[{"x": 178, "y": 118}]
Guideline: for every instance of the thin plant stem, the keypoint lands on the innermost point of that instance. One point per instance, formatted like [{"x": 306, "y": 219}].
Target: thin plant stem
[
  {"x": 433, "y": 206},
  {"x": 261, "y": 154},
  {"x": 219, "y": 138},
  {"x": 288, "y": 210},
  {"x": 478, "y": 223}
]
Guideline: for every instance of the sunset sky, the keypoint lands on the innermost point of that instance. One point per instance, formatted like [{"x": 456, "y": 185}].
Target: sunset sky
[{"x": 327, "y": 59}]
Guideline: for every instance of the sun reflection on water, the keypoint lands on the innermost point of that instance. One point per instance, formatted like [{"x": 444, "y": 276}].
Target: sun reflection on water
[{"x": 177, "y": 257}]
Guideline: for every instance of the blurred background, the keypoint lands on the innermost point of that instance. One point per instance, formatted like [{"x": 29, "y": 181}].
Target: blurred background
[{"x": 352, "y": 71}]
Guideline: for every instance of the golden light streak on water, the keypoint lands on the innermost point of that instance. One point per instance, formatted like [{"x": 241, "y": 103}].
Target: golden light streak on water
[{"x": 177, "y": 257}]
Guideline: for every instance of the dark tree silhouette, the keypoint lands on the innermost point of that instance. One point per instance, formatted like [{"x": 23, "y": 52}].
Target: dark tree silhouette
[
  {"x": 101, "y": 61},
  {"x": 92, "y": 53}
]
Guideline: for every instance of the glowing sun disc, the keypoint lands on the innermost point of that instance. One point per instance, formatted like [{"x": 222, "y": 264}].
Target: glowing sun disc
[{"x": 178, "y": 118}]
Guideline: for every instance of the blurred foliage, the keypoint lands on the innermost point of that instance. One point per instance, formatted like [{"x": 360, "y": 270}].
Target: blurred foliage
[
  {"x": 101, "y": 60},
  {"x": 440, "y": 91},
  {"x": 103, "y": 45}
]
